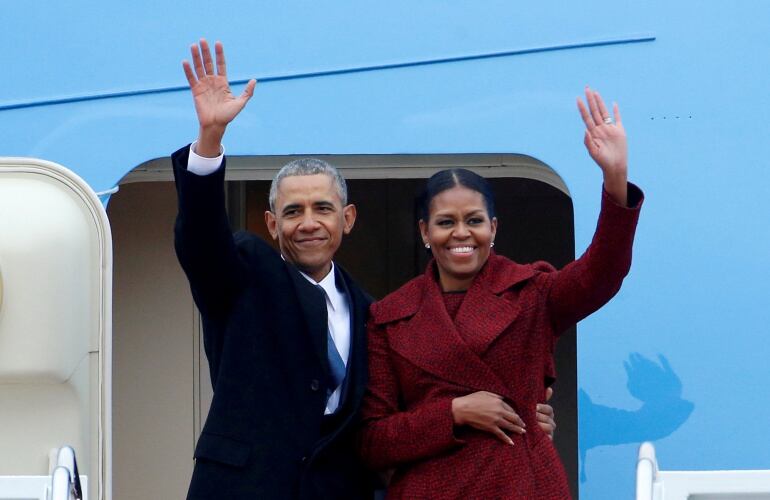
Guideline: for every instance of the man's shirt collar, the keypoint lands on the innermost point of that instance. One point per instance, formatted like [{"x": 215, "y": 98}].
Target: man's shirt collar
[{"x": 334, "y": 296}]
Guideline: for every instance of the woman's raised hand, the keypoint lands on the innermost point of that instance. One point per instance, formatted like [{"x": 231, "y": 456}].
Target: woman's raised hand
[
  {"x": 605, "y": 140},
  {"x": 215, "y": 104},
  {"x": 487, "y": 412}
]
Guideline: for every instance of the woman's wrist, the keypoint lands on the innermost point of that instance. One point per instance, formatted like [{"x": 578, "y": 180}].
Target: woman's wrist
[{"x": 616, "y": 185}]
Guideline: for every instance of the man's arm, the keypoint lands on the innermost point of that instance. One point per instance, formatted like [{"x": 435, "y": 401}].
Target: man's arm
[{"x": 203, "y": 239}]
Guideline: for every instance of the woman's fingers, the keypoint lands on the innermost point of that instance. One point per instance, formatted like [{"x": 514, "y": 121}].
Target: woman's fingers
[
  {"x": 593, "y": 106},
  {"x": 488, "y": 412},
  {"x": 616, "y": 112},
  {"x": 502, "y": 436},
  {"x": 589, "y": 122},
  {"x": 508, "y": 425},
  {"x": 605, "y": 115},
  {"x": 590, "y": 144},
  {"x": 511, "y": 416}
]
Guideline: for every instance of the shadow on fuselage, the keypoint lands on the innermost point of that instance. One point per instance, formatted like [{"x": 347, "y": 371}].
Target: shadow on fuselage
[{"x": 662, "y": 412}]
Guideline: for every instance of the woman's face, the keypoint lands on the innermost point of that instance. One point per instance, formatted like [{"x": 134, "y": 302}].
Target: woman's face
[{"x": 460, "y": 234}]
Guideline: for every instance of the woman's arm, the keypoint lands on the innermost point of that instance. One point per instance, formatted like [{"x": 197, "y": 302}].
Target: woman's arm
[
  {"x": 586, "y": 284},
  {"x": 390, "y": 436}
]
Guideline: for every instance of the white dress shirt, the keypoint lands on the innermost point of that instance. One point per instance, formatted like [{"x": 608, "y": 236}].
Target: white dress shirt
[
  {"x": 337, "y": 308},
  {"x": 200, "y": 165},
  {"x": 338, "y": 317}
]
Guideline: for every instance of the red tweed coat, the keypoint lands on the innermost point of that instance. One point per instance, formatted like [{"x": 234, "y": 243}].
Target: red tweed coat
[{"x": 511, "y": 316}]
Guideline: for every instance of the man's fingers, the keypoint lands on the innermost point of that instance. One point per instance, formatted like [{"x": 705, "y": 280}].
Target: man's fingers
[
  {"x": 197, "y": 61},
  {"x": 208, "y": 63},
  {"x": 542, "y": 418},
  {"x": 544, "y": 410},
  {"x": 219, "y": 50},
  {"x": 248, "y": 91},
  {"x": 188, "y": 72}
]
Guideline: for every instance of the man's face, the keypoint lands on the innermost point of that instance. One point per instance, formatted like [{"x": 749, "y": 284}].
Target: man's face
[{"x": 309, "y": 221}]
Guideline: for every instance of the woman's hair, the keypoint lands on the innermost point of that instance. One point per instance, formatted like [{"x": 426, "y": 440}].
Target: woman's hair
[{"x": 447, "y": 179}]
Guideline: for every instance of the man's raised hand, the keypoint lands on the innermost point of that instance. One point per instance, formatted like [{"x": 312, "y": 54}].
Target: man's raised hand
[{"x": 215, "y": 104}]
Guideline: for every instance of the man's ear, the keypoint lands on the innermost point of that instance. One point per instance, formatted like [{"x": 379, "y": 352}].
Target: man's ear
[
  {"x": 272, "y": 224},
  {"x": 349, "y": 213}
]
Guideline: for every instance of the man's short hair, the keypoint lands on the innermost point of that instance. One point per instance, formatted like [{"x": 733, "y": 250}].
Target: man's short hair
[{"x": 308, "y": 166}]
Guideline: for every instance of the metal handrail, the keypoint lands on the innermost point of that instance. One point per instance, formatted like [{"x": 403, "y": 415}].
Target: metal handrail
[
  {"x": 646, "y": 470},
  {"x": 65, "y": 480}
]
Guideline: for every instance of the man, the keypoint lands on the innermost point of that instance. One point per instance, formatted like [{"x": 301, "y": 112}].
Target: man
[{"x": 284, "y": 332}]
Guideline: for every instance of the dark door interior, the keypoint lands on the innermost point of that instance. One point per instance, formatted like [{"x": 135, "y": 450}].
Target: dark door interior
[{"x": 535, "y": 222}]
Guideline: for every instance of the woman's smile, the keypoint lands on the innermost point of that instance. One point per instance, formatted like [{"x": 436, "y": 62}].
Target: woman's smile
[{"x": 462, "y": 251}]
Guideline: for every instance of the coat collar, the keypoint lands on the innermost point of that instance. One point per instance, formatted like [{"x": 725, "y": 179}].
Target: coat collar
[
  {"x": 496, "y": 276},
  {"x": 430, "y": 339}
]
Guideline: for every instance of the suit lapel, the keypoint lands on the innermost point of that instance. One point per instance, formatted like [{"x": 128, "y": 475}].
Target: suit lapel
[
  {"x": 350, "y": 367},
  {"x": 313, "y": 307},
  {"x": 357, "y": 369}
]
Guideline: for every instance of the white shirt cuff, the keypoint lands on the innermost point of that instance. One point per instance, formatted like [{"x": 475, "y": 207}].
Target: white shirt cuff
[{"x": 200, "y": 165}]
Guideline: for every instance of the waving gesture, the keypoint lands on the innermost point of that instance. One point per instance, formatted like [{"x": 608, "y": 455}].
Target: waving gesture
[
  {"x": 605, "y": 140},
  {"x": 215, "y": 104}
]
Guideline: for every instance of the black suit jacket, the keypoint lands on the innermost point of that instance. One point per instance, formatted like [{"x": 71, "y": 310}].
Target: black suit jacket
[{"x": 265, "y": 332}]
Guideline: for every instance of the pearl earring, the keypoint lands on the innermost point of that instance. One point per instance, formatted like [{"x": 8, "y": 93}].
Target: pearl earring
[
  {"x": 491, "y": 244},
  {"x": 427, "y": 245}
]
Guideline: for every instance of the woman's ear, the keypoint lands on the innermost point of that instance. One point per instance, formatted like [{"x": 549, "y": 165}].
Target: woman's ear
[{"x": 423, "y": 231}]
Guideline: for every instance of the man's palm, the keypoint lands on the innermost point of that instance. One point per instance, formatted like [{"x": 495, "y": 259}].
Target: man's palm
[{"x": 215, "y": 104}]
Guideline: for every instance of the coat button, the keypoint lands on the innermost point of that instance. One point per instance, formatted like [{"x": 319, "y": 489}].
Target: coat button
[
  {"x": 303, "y": 460},
  {"x": 315, "y": 385}
]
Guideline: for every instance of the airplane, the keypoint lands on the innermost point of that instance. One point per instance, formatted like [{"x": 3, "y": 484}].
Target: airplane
[{"x": 100, "y": 345}]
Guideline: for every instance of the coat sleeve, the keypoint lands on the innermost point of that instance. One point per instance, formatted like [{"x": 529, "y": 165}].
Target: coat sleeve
[
  {"x": 202, "y": 237},
  {"x": 586, "y": 284},
  {"x": 389, "y": 435}
]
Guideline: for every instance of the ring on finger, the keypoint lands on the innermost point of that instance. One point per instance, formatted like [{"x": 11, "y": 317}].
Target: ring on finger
[{"x": 608, "y": 120}]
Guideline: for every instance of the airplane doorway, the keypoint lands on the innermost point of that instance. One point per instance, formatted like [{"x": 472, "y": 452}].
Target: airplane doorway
[
  {"x": 161, "y": 391},
  {"x": 535, "y": 222}
]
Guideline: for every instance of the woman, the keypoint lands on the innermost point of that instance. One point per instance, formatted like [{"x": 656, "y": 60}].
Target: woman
[{"x": 458, "y": 356}]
